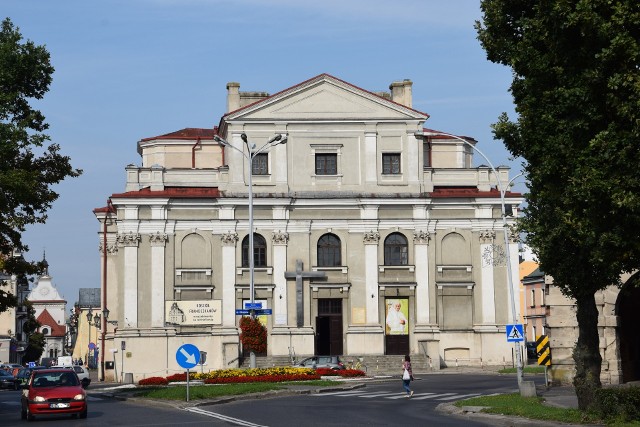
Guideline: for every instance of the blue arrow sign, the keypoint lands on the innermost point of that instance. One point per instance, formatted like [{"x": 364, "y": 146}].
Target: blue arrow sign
[
  {"x": 252, "y": 306},
  {"x": 266, "y": 311},
  {"x": 240, "y": 312},
  {"x": 515, "y": 333},
  {"x": 188, "y": 356}
]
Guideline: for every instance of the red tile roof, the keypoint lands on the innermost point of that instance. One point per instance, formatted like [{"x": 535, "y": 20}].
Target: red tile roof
[
  {"x": 171, "y": 192},
  {"x": 460, "y": 192},
  {"x": 186, "y": 133},
  {"x": 46, "y": 319}
]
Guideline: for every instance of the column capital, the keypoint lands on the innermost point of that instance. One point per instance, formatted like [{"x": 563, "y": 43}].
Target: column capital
[
  {"x": 129, "y": 239},
  {"x": 421, "y": 237},
  {"x": 280, "y": 238},
  {"x": 371, "y": 237},
  {"x": 229, "y": 238},
  {"x": 158, "y": 239},
  {"x": 487, "y": 236}
]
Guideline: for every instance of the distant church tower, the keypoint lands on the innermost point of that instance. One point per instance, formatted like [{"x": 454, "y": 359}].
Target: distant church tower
[{"x": 50, "y": 312}]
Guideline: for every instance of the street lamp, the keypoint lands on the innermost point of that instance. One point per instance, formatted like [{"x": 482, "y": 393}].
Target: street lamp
[
  {"x": 505, "y": 226},
  {"x": 89, "y": 320},
  {"x": 249, "y": 156}
]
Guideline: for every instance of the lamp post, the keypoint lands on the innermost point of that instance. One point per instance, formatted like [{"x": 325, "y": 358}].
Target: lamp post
[
  {"x": 249, "y": 156},
  {"x": 505, "y": 227},
  {"x": 89, "y": 320}
]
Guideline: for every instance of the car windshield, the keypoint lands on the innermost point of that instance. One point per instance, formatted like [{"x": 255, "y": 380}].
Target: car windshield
[
  {"x": 55, "y": 379},
  {"x": 5, "y": 374}
]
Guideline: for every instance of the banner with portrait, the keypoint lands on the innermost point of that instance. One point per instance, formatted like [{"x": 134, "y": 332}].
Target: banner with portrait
[{"x": 397, "y": 316}]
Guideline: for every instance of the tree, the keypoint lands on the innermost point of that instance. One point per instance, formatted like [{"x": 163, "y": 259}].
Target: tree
[
  {"x": 35, "y": 340},
  {"x": 28, "y": 168},
  {"x": 576, "y": 88}
]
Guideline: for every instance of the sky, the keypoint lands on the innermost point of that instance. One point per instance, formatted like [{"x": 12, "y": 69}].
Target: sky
[{"x": 132, "y": 69}]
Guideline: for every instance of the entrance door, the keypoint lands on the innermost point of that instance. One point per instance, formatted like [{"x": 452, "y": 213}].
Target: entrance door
[
  {"x": 329, "y": 327},
  {"x": 629, "y": 315}
]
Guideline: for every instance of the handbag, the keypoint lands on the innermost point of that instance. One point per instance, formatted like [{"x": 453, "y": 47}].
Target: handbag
[{"x": 406, "y": 375}]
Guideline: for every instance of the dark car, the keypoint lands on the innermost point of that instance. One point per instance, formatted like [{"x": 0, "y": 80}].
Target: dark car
[
  {"x": 532, "y": 351},
  {"x": 332, "y": 362},
  {"x": 53, "y": 392},
  {"x": 23, "y": 374},
  {"x": 7, "y": 380}
]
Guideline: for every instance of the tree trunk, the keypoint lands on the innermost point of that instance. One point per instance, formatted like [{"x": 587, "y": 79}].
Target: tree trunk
[{"x": 586, "y": 353}]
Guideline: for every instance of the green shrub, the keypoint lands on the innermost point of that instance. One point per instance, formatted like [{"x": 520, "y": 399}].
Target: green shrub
[{"x": 619, "y": 403}]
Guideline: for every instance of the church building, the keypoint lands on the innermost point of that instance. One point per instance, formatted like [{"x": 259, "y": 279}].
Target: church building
[{"x": 372, "y": 235}]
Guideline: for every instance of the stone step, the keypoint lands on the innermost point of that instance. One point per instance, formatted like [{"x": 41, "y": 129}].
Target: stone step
[{"x": 378, "y": 363}]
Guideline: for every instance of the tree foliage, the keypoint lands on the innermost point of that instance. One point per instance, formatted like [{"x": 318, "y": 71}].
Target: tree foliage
[
  {"x": 28, "y": 166},
  {"x": 576, "y": 88}
]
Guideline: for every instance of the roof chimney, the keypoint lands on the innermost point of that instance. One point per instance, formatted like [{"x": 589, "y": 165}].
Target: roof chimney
[
  {"x": 401, "y": 92},
  {"x": 233, "y": 96}
]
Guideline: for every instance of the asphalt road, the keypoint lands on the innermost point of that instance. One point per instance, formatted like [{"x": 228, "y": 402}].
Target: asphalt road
[{"x": 375, "y": 404}]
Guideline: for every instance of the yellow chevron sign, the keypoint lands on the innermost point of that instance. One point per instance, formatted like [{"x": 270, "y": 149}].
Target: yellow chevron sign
[{"x": 544, "y": 351}]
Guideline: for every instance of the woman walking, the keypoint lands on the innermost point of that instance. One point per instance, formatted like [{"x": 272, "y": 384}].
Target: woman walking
[{"x": 407, "y": 375}]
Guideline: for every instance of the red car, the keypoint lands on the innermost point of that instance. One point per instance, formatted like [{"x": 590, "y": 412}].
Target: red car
[{"x": 53, "y": 392}]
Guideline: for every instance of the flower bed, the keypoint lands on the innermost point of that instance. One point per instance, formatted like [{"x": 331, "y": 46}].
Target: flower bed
[
  {"x": 153, "y": 381},
  {"x": 231, "y": 376}
]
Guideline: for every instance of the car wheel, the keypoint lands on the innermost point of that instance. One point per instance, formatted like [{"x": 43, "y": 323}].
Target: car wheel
[{"x": 83, "y": 414}]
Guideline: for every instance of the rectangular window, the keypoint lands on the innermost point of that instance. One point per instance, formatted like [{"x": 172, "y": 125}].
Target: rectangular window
[
  {"x": 261, "y": 164},
  {"x": 542, "y": 297},
  {"x": 533, "y": 298},
  {"x": 327, "y": 164},
  {"x": 426, "y": 154},
  {"x": 391, "y": 164}
]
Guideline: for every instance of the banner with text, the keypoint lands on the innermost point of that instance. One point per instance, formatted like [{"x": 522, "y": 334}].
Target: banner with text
[{"x": 201, "y": 312}]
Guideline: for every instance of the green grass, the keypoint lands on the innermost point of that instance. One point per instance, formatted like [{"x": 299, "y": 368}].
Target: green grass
[
  {"x": 528, "y": 407},
  {"x": 527, "y": 370}
]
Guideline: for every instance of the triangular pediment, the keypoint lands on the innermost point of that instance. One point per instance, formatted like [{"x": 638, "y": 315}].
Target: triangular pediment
[{"x": 325, "y": 98}]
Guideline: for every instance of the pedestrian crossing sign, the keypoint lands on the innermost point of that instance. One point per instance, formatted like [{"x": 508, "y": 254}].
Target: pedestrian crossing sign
[{"x": 515, "y": 333}]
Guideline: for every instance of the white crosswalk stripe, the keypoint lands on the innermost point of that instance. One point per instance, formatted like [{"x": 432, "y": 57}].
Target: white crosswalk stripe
[
  {"x": 460, "y": 396},
  {"x": 397, "y": 395},
  {"x": 430, "y": 396}
]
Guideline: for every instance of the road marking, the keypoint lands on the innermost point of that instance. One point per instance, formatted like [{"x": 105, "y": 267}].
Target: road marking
[
  {"x": 379, "y": 395},
  {"x": 432, "y": 396},
  {"x": 341, "y": 393},
  {"x": 11, "y": 403},
  {"x": 460, "y": 396},
  {"x": 231, "y": 420}
]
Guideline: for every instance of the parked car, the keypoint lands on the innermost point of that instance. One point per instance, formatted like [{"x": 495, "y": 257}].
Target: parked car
[
  {"x": 332, "y": 362},
  {"x": 53, "y": 392},
  {"x": 8, "y": 381},
  {"x": 532, "y": 351},
  {"x": 23, "y": 374}
]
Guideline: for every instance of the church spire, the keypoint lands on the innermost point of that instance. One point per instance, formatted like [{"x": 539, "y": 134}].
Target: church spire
[{"x": 45, "y": 264}]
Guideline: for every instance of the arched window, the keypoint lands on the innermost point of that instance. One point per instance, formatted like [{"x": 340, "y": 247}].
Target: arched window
[
  {"x": 396, "y": 250},
  {"x": 259, "y": 251},
  {"x": 329, "y": 253}
]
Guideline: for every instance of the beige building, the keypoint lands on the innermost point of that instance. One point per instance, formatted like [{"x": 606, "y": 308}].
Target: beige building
[
  {"x": 619, "y": 310},
  {"x": 373, "y": 235}
]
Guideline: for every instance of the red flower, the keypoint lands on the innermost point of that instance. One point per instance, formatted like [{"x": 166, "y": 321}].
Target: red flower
[{"x": 253, "y": 335}]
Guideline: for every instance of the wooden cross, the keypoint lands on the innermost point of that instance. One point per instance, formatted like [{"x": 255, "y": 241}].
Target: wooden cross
[{"x": 299, "y": 275}]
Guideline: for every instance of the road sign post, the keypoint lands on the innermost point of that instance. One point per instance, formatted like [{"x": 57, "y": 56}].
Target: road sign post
[{"x": 188, "y": 356}]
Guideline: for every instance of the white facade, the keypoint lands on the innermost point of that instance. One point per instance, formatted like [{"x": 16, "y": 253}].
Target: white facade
[
  {"x": 49, "y": 309},
  {"x": 389, "y": 211}
]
